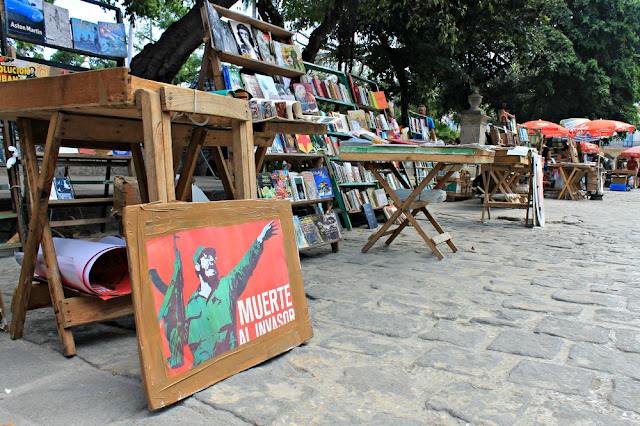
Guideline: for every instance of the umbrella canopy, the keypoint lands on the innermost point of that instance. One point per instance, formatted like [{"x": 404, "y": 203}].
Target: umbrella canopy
[
  {"x": 631, "y": 152},
  {"x": 570, "y": 123},
  {"x": 547, "y": 128},
  {"x": 589, "y": 148},
  {"x": 602, "y": 128}
]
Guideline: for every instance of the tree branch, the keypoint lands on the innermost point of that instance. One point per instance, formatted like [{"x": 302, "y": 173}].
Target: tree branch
[{"x": 319, "y": 35}]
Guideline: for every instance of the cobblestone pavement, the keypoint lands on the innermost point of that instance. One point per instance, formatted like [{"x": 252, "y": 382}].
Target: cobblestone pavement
[{"x": 521, "y": 326}]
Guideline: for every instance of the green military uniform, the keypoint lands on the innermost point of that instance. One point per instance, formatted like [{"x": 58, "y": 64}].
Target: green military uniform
[{"x": 211, "y": 321}]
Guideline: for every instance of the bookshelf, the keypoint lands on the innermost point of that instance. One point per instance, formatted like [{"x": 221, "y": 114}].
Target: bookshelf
[{"x": 319, "y": 210}]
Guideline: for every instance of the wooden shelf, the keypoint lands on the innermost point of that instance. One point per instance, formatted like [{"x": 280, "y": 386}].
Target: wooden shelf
[
  {"x": 81, "y": 202},
  {"x": 285, "y": 156},
  {"x": 333, "y": 101},
  {"x": 260, "y": 66},
  {"x": 357, "y": 183},
  {"x": 311, "y": 202},
  {"x": 360, "y": 211},
  {"x": 324, "y": 243},
  {"x": 277, "y": 31}
]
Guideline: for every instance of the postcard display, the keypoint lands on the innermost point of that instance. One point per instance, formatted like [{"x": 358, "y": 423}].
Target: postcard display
[
  {"x": 247, "y": 55},
  {"x": 231, "y": 298},
  {"x": 39, "y": 22}
]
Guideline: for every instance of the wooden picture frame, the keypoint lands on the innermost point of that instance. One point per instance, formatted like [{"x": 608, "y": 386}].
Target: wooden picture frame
[{"x": 217, "y": 289}]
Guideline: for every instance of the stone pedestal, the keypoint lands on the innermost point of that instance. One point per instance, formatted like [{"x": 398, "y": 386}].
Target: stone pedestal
[{"x": 473, "y": 122}]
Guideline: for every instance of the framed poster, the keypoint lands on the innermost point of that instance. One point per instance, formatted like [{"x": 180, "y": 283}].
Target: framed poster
[{"x": 217, "y": 289}]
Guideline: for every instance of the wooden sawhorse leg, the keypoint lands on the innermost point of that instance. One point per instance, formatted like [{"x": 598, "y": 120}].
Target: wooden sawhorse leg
[{"x": 40, "y": 232}]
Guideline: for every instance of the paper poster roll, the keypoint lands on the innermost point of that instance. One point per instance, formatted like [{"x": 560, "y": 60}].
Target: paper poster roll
[{"x": 96, "y": 268}]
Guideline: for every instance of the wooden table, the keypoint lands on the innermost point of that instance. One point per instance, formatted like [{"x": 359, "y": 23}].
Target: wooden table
[
  {"x": 624, "y": 176},
  {"x": 504, "y": 174},
  {"x": 445, "y": 159},
  {"x": 572, "y": 173},
  {"x": 110, "y": 109}
]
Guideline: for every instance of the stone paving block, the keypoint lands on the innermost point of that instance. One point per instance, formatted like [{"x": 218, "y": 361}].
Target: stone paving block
[
  {"x": 448, "y": 331},
  {"x": 557, "y": 283},
  {"x": 507, "y": 289},
  {"x": 626, "y": 394},
  {"x": 628, "y": 340},
  {"x": 354, "y": 316},
  {"x": 460, "y": 361},
  {"x": 588, "y": 298},
  {"x": 563, "y": 414},
  {"x": 362, "y": 343},
  {"x": 633, "y": 304},
  {"x": 80, "y": 392},
  {"x": 573, "y": 330},
  {"x": 527, "y": 344},
  {"x": 372, "y": 378},
  {"x": 596, "y": 357},
  {"x": 615, "y": 316},
  {"x": 550, "y": 376},
  {"x": 534, "y": 305},
  {"x": 497, "y": 322},
  {"x": 476, "y": 405},
  {"x": 189, "y": 411}
]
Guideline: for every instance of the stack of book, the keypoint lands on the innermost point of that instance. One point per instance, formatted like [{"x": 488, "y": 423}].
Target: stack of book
[
  {"x": 355, "y": 198},
  {"x": 369, "y": 98},
  {"x": 316, "y": 229},
  {"x": 312, "y": 185},
  {"x": 305, "y": 144},
  {"x": 347, "y": 172},
  {"x": 328, "y": 89}
]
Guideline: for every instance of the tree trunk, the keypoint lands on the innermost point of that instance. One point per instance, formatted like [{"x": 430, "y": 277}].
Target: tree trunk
[
  {"x": 162, "y": 60},
  {"x": 269, "y": 12},
  {"x": 318, "y": 37}
]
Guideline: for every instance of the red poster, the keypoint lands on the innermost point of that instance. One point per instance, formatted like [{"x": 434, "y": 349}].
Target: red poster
[{"x": 217, "y": 288}]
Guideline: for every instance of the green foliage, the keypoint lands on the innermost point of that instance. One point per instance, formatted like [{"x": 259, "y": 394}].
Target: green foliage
[{"x": 445, "y": 133}]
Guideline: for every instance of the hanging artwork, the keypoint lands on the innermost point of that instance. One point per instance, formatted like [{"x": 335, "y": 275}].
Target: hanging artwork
[{"x": 216, "y": 288}]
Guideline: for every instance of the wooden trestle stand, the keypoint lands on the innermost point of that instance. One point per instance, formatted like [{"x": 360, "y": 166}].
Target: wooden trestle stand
[{"x": 110, "y": 109}]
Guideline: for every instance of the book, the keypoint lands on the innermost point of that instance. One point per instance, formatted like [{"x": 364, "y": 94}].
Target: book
[
  {"x": 297, "y": 186},
  {"x": 370, "y": 215},
  {"x": 277, "y": 144},
  {"x": 251, "y": 85},
  {"x": 265, "y": 46},
  {"x": 289, "y": 56},
  {"x": 267, "y": 109},
  {"x": 318, "y": 142},
  {"x": 310, "y": 185},
  {"x": 301, "y": 241},
  {"x": 243, "y": 36},
  {"x": 310, "y": 231},
  {"x": 281, "y": 109},
  {"x": 280, "y": 179},
  {"x": 284, "y": 92},
  {"x": 256, "y": 109},
  {"x": 381, "y": 100},
  {"x": 63, "y": 189},
  {"x": 328, "y": 226},
  {"x": 56, "y": 23},
  {"x": 232, "y": 78},
  {"x": 25, "y": 19},
  {"x": 216, "y": 29},
  {"x": 304, "y": 144},
  {"x": 229, "y": 44},
  {"x": 323, "y": 182},
  {"x": 85, "y": 35},
  {"x": 304, "y": 94},
  {"x": 265, "y": 186},
  {"x": 267, "y": 86},
  {"x": 289, "y": 144},
  {"x": 357, "y": 119}
]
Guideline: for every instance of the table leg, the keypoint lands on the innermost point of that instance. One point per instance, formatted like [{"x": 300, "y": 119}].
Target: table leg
[
  {"x": 156, "y": 126},
  {"x": 438, "y": 228},
  {"x": 141, "y": 172},
  {"x": 485, "y": 182},
  {"x": 186, "y": 174},
  {"x": 223, "y": 170},
  {"x": 261, "y": 152},
  {"x": 244, "y": 167}
]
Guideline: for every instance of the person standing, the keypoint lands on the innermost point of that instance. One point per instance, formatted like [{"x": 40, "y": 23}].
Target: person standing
[{"x": 431, "y": 127}]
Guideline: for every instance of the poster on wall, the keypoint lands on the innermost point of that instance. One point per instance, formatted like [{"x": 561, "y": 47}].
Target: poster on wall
[
  {"x": 57, "y": 27},
  {"x": 25, "y": 20},
  {"x": 217, "y": 289},
  {"x": 18, "y": 69}
]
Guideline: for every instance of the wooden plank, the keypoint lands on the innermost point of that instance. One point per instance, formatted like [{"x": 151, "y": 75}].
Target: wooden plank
[
  {"x": 90, "y": 88},
  {"x": 259, "y": 66},
  {"x": 86, "y": 309},
  {"x": 244, "y": 167},
  {"x": 278, "y": 31},
  {"x": 40, "y": 296},
  {"x": 81, "y": 222},
  {"x": 441, "y": 238},
  {"x": 152, "y": 124},
  {"x": 81, "y": 202},
  {"x": 189, "y": 164},
  {"x": 180, "y": 99},
  {"x": 298, "y": 127},
  {"x": 141, "y": 172},
  {"x": 167, "y": 156}
]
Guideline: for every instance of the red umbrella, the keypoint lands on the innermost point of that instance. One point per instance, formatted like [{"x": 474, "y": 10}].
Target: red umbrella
[
  {"x": 548, "y": 129},
  {"x": 589, "y": 147},
  {"x": 602, "y": 128},
  {"x": 632, "y": 152}
]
